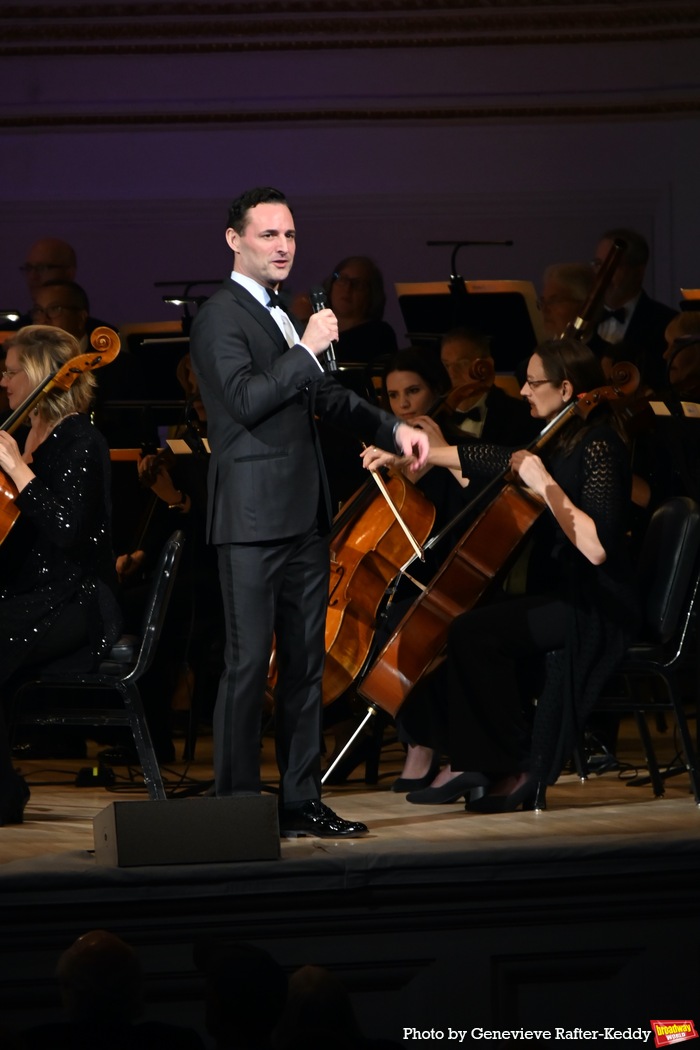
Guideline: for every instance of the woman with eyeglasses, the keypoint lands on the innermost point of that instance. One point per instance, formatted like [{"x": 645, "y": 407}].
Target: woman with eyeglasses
[
  {"x": 57, "y": 575},
  {"x": 356, "y": 296},
  {"x": 561, "y": 640}
]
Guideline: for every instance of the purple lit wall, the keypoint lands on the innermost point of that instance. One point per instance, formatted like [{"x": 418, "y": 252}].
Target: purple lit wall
[{"x": 133, "y": 160}]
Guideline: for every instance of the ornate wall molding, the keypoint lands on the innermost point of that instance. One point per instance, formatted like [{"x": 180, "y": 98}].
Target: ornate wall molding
[
  {"x": 565, "y": 111},
  {"x": 35, "y": 29}
]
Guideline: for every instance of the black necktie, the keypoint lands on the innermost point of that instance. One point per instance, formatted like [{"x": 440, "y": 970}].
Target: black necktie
[
  {"x": 620, "y": 314},
  {"x": 274, "y": 299},
  {"x": 474, "y": 414}
]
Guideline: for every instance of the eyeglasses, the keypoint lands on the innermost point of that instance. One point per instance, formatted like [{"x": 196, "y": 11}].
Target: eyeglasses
[
  {"x": 354, "y": 283},
  {"x": 534, "y": 383},
  {"x": 39, "y": 267},
  {"x": 10, "y": 372},
  {"x": 51, "y": 311}
]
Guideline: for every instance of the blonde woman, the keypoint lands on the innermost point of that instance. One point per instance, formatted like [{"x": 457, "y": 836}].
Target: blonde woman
[{"x": 57, "y": 603}]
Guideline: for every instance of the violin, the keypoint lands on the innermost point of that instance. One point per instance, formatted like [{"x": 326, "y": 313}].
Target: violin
[
  {"x": 106, "y": 345},
  {"x": 477, "y": 564}
]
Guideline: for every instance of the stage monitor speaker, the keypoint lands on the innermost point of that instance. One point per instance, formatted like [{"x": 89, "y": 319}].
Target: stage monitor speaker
[{"x": 187, "y": 831}]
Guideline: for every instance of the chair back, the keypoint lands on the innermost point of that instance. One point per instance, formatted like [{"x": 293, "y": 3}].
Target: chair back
[
  {"x": 157, "y": 603},
  {"x": 668, "y": 567}
]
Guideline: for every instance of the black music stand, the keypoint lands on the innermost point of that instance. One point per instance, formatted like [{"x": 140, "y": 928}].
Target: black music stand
[{"x": 504, "y": 310}]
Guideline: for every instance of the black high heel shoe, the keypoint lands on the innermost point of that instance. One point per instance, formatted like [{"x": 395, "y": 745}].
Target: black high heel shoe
[
  {"x": 530, "y": 795},
  {"x": 405, "y": 784},
  {"x": 458, "y": 787},
  {"x": 14, "y": 795}
]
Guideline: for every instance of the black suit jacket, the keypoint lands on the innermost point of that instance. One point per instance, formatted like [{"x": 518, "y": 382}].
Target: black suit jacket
[
  {"x": 267, "y": 480},
  {"x": 645, "y": 340},
  {"x": 508, "y": 422}
]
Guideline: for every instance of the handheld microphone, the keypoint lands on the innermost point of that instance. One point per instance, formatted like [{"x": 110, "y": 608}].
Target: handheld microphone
[{"x": 317, "y": 295}]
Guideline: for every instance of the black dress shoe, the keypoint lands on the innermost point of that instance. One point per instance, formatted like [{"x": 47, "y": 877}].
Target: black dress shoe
[
  {"x": 313, "y": 818},
  {"x": 14, "y": 795},
  {"x": 530, "y": 795},
  {"x": 405, "y": 784},
  {"x": 458, "y": 787}
]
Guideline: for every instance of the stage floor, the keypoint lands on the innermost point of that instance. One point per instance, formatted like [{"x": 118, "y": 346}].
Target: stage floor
[
  {"x": 585, "y": 895},
  {"x": 603, "y": 812}
]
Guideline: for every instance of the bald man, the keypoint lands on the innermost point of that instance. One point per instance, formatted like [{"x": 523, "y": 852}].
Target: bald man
[{"x": 49, "y": 259}]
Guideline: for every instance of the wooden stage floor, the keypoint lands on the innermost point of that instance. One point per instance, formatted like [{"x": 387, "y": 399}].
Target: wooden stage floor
[
  {"x": 59, "y": 816},
  {"x": 575, "y": 906}
]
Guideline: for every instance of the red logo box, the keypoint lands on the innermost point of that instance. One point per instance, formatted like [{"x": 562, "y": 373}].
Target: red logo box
[{"x": 668, "y": 1033}]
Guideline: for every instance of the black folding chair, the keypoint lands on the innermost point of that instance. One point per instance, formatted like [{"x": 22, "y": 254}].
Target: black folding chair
[
  {"x": 667, "y": 648},
  {"x": 129, "y": 659}
]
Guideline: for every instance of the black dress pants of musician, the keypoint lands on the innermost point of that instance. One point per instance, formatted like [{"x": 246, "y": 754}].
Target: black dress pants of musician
[
  {"x": 495, "y": 668},
  {"x": 281, "y": 589}
]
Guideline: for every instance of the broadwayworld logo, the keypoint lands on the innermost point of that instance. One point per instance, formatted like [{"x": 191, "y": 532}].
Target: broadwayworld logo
[{"x": 667, "y": 1033}]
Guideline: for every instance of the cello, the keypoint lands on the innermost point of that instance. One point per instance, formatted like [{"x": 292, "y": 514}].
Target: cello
[
  {"x": 370, "y": 546},
  {"x": 106, "y": 345},
  {"x": 376, "y": 533},
  {"x": 478, "y": 563}
]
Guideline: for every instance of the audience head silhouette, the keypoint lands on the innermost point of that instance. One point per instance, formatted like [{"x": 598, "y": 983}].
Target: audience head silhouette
[
  {"x": 318, "y": 1012},
  {"x": 100, "y": 980},
  {"x": 245, "y": 993}
]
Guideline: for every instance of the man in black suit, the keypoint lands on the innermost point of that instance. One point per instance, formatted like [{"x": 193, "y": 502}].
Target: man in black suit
[
  {"x": 263, "y": 386},
  {"x": 633, "y": 325},
  {"x": 493, "y": 416}
]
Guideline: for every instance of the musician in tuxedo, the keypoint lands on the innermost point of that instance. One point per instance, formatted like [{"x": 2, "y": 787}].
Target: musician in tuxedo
[
  {"x": 263, "y": 385},
  {"x": 493, "y": 416},
  {"x": 633, "y": 325}
]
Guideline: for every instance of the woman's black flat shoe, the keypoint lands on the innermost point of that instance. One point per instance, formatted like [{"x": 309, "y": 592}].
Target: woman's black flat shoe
[
  {"x": 456, "y": 788},
  {"x": 404, "y": 784},
  {"x": 530, "y": 795},
  {"x": 14, "y": 795}
]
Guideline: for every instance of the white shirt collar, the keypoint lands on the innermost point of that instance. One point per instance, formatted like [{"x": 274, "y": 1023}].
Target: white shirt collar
[{"x": 259, "y": 291}]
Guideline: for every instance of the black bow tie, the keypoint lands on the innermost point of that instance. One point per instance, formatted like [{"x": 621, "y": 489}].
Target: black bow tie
[
  {"x": 274, "y": 299},
  {"x": 620, "y": 314},
  {"x": 474, "y": 414}
]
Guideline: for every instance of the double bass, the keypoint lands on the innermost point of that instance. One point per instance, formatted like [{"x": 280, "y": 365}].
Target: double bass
[{"x": 106, "y": 345}]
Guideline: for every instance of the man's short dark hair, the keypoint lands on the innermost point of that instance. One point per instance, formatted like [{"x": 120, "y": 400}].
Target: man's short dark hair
[
  {"x": 469, "y": 335},
  {"x": 238, "y": 210},
  {"x": 637, "y": 251},
  {"x": 80, "y": 299}
]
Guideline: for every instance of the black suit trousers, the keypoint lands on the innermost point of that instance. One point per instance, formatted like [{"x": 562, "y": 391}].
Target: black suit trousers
[{"x": 281, "y": 589}]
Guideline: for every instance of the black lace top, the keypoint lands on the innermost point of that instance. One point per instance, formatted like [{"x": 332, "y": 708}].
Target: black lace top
[
  {"x": 59, "y": 550},
  {"x": 602, "y": 601}
]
